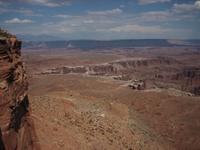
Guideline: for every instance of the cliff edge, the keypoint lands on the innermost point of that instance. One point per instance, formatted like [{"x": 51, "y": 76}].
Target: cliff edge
[{"x": 16, "y": 125}]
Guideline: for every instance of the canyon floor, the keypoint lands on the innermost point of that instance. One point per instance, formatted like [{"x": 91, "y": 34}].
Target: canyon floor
[{"x": 81, "y": 111}]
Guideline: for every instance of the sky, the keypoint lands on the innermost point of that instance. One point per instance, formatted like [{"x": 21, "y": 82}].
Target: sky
[{"x": 102, "y": 19}]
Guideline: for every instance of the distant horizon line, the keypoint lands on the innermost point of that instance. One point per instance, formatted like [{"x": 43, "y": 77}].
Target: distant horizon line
[{"x": 125, "y": 39}]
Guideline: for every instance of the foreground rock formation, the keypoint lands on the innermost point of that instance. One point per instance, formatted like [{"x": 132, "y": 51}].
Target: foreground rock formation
[{"x": 16, "y": 126}]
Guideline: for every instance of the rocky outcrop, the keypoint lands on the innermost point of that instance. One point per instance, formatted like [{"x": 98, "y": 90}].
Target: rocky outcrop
[
  {"x": 189, "y": 78},
  {"x": 16, "y": 126},
  {"x": 137, "y": 85}
]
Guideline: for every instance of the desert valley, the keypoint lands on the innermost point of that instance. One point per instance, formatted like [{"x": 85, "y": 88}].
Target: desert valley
[
  {"x": 115, "y": 98},
  {"x": 110, "y": 97},
  {"x": 99, "y": 75}
]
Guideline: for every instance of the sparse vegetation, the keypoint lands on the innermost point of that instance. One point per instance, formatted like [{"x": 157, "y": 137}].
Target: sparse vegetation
[{"x": 4, "y": 34}]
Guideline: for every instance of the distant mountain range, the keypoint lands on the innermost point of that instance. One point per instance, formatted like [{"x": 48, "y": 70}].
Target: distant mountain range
[
  {"x": 35, "y": 38},
  {"x": 95, "y": 44}
]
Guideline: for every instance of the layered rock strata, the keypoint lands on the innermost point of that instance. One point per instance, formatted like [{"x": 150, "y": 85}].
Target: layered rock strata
[{"x": 16, "y": 126}]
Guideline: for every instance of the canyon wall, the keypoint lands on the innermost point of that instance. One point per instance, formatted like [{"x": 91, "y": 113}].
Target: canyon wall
[
  {"x": 16, "y": 125},
  {"x": 160, "y": 72},
  {"x": 190, "y": 79},
  {"x": 114, "y": 68}
]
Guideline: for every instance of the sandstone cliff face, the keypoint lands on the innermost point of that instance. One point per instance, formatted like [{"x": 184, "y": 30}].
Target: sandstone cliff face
[
  {"x": 190, "y": 79},
  {"x": 16, "y": 126},
  {"x": 114, "y": 68}
]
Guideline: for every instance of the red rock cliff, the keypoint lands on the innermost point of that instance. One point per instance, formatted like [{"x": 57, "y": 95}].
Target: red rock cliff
[{"x": 16, "y": 126}]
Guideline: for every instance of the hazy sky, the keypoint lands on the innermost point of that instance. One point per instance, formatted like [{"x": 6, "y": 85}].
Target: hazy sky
[{"x": 102, "y": 19}]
